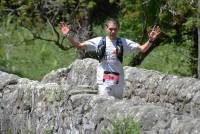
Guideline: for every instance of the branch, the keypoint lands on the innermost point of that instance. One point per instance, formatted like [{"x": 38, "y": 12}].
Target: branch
[
  {"x": 55, "y": 42},
  {"x": 54, "y": 30},
  {"x": 189, "y": 57},
  {"x": 172, "y": 11}
]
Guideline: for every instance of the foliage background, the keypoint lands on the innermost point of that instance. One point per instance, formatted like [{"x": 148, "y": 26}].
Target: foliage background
[{"x": 28, "y": 28}]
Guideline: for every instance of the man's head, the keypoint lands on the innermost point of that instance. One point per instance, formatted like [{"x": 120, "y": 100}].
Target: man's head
[{"x": 112, "y": 27}]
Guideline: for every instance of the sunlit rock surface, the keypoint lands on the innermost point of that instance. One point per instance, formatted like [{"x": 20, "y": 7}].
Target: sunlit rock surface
[{"x": 66, "y": 102}]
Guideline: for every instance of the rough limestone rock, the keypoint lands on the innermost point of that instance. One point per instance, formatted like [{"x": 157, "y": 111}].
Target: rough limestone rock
[{"x": 66, "y": 102}]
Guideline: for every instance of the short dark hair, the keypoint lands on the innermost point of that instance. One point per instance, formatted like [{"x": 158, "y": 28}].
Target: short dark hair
[{"x": 111, "y": 20}]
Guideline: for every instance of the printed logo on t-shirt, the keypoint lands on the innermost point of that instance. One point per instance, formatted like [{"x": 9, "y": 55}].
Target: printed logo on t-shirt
[
  {"x": 112, "y": 56},
  {"x": 114, "y": 53}
]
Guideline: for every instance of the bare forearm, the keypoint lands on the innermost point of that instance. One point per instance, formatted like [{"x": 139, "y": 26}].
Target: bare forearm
[
  {"x": 143, "y": 48},
  {"x": 75, "y": 42}
]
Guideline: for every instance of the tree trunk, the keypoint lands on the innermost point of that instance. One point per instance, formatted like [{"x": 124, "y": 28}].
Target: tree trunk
[
  {"x": 198, "y": 44},
  {"x": 198, "y": 52},
  {"x": 84, "y": 31},
  {"x": 85, "y": 25}
]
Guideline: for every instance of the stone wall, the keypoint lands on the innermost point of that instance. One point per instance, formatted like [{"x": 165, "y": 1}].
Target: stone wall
[{"x": 66, "y": 102}]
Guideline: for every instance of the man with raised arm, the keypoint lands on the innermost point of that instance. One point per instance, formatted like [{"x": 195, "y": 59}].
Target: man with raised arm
[{"x": 110, "y": 51}]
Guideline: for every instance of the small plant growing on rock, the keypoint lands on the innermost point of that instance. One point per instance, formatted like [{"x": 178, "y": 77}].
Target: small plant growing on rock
[{"x": 124, "y": 126}]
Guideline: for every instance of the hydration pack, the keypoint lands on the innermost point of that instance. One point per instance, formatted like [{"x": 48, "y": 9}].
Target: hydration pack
[{"x": 102, "y": 48}]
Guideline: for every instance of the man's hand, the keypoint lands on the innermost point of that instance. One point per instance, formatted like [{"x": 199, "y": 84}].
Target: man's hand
[
  {"x": 66, "y": 32},
  {"x": 64, "y": 28},
  {"x": 154, "y": 33}
]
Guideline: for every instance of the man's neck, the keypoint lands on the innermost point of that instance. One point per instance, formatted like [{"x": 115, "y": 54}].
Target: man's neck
[{"x": 112, "y": 38}]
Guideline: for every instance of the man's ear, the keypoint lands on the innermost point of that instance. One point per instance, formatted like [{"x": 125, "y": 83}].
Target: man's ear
[{"x": 105, "y": 28}]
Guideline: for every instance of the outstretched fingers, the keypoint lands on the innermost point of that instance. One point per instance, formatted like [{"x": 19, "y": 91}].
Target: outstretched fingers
[
  {"x": 64, "y": 28},
  {"x": 156, "y": 30},
  {"x": 154, "y": 33}
]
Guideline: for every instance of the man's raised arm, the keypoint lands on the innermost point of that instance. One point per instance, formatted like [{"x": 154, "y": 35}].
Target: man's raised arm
[
  {"x": 66, "y": 30},
  {"x": 153, "y": 35}
]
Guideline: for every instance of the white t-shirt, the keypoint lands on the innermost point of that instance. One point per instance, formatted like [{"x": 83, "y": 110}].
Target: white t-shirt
[{"x": 111, "y": 63}]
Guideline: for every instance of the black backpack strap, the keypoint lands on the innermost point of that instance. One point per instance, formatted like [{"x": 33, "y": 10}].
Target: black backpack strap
[
  {"x": 101, "y": 49},
  {"x": 119, "y": 49}
]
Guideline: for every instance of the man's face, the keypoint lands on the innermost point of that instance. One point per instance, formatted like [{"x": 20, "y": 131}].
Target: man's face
[{"x": 112, "y": 30}]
